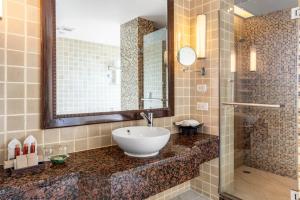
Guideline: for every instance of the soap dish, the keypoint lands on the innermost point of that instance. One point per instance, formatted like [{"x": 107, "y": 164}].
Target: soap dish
[
  {"x": 58, "y": 159},
  {"x": 188, "y": 130}
]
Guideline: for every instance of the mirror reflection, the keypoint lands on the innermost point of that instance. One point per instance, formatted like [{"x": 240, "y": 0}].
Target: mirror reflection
[{"x": 111, "y": 55}]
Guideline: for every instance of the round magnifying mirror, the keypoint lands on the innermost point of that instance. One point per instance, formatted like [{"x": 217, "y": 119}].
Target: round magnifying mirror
[{"x": 186, "y": 56}]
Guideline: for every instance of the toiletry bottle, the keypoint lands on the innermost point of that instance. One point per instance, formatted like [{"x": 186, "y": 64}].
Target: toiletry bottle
[
  {"x": 32, "y": 148},
  {"x": 25, "y": 149},
  {"x": 17, "y": 150}
]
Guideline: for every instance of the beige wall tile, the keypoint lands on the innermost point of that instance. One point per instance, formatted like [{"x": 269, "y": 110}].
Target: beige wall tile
[
  {"x": 16, "y": 26},
  {"x": 15, "y": 90},
  {"x": 2, "y": 73},
  {"x": 33, "y": 14},
  {"x": 2, "y": 123},
  {"x": 33, "y": 90},
  {"x": 105, "y": 129},
  {"x": 94, "y": 142},
  {"x": 80, "y": 132},
  {"x": 2, "y": 59},
  {"x": 2, "y": 141},
  {"x": 15, "y": 58},
  {"x": 15, "y": 123},
  {"x": 15, "y": 42},
  {"x": 81, "y": 145},
  {"x": 2, "y": 40},
  {"x": 93, "y": 130},
  {"x": 105, "y": 141},
  {"x": 15, "y": 74},
  {"x": 33, "y": 29},
  {"x": 51, "y": 136},
  {"x": 33, "y": 45},
  {"x": 35, "y": 3},
  {"x": 33, "y": 122},
  {"x": 15, "y": 9},
  {"x": 33, "y": 75},
  {"x": 33, "y": 60},
  {"x": 2, "y": 107},
  {"x": 33, "y": 106},
  {"x": 67, "y": 133},
  {"x": 15, "y": 106},
  {"x": 1, "y": 90},
  {"x": 70, "y": 146},
  {"x": 2, "y": 26}
]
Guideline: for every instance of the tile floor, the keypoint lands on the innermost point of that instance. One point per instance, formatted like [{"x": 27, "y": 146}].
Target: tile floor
[
  {"x": 190, "y": 195},
  {"x": 260, "y": 185}
]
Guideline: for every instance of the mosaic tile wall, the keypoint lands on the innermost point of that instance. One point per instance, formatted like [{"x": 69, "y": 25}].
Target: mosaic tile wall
[
  {"x": 132, "y": 37},
  {"x": 74, "y": 57},
  {"x": 155, "y": 69},
  {"x": 269, "y": 135}
]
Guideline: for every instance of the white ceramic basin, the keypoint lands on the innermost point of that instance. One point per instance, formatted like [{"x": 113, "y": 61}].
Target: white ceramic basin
[{"x": 141, "y": 141}]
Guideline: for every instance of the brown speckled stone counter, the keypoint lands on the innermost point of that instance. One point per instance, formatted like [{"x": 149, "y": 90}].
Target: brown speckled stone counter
[{"x": 107, "y": 173}]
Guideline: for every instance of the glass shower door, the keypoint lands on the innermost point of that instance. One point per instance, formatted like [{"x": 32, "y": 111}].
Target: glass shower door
[{"x": 258, "y": 102}]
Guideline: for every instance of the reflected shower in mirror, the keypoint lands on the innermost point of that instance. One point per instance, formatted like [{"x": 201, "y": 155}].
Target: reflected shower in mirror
[{"x": 111, "y": 56}]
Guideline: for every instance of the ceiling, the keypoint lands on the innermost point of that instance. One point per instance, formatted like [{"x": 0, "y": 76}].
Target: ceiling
[
  {"x": 99, "y": 20},
  {"x": 262, "y": 7}
]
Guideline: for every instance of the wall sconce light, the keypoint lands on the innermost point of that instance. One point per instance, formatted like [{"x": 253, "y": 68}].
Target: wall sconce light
[
  {"x": 201, "y": 36},
  {"x": 1, "y": 9},
  {"x": 253, "y": 58},
  {"x": 233, "y": 61}
]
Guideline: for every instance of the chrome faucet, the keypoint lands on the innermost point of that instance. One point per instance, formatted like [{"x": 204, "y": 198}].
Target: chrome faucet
[{"x": 148, "y": 118}]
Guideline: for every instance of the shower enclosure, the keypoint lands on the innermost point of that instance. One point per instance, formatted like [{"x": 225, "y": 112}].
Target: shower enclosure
[{"x": 258, "y": 101}]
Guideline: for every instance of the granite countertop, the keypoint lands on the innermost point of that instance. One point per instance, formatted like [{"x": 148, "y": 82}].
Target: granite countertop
[{"x": 107, "y": 173}]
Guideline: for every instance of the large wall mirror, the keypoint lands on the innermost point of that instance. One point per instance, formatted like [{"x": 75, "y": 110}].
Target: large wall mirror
[{"x": 106, "y": 61}]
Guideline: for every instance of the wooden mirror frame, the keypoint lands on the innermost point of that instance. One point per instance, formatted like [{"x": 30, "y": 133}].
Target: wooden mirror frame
[{"x": 50, "y": 119}]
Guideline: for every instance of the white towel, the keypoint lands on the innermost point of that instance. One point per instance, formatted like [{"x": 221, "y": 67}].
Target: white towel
[{"x": 186, "y": 123}]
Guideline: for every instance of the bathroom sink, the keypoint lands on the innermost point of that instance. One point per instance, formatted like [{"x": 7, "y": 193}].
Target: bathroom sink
[{"x": 141, "y": 141}]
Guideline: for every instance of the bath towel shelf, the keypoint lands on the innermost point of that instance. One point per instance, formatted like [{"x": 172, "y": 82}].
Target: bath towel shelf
[{"x": 254, "y": 105}]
